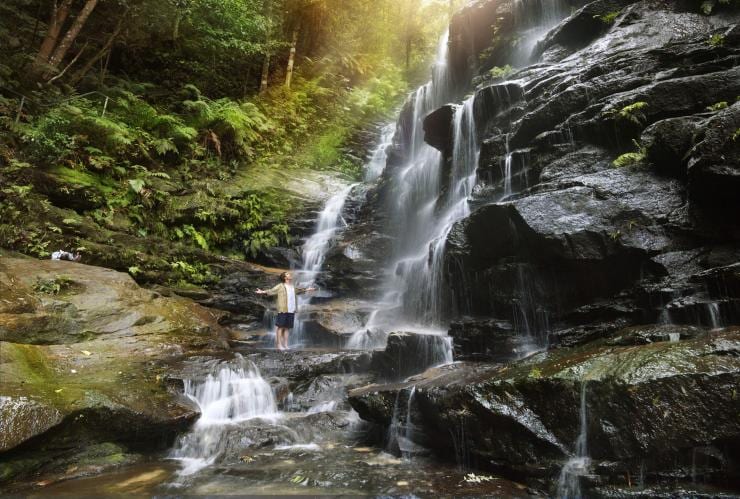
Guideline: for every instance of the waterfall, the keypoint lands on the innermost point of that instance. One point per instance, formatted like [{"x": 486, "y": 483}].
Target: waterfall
[
  {"x": 379, "y": 156},
  {"x": 232, "y": 393},
  {"x": 329, "y": 221},
  {"x": 534, "y": 19},
  {"x": 569, "y": 484},
  {"x": 423, "y": 220},
  {"x": 715, "y": 317}
]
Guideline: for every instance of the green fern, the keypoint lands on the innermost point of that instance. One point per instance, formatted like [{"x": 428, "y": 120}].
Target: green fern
[
  {"x": 632, "y": 113},
  {"x": 717, "y": 106},
  {"x": 163, "y": 146},
  {"x": 631, "y": 158},
  {"x": 609, "y": 17},
  {"x": 199, "y": 239}
]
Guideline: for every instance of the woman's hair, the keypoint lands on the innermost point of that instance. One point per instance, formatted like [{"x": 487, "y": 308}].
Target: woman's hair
[{"x": 282, "y": 276}]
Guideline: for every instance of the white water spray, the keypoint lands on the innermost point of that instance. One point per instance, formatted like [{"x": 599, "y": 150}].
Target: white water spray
[{"x": 231, "y": 394}]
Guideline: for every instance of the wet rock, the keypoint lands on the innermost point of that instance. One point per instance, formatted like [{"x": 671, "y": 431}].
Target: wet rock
[
  {"x": 438, "y": 128},
  {"x": 97, "y": 375},
  {"x": 581, "y": 28},
  {"x": 644, "y": 335},
  {"x": 714, "y": 162},
  {"x": 486, "y": 339},
  {"x": 568, "y": 246},
  {"x": 303, "y": 365},
  {"x": 667, "y": 143},
  {"x": 525, "y": 416},
  {"x": 410, "y": 353}
]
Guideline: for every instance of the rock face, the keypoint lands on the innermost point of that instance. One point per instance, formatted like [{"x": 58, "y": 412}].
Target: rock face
[
  {"x": 645, "y": 403},
  {"x": 560, "y": 227},
  {"x": 602, "y": 233},
  {"x": 409, "y": 353},
  {"x": 86, "y": 365}
]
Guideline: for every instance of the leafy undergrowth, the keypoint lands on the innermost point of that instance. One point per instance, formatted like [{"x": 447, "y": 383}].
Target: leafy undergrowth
[{"x": 150, "y": 185}]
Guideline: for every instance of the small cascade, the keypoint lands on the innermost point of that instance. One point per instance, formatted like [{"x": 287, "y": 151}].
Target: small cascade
[
  {"x": 327, "y": 406},
  {"x": 329, "y": 222},
  {"x": 401, "y": 431},
  {"x": 534, "y": 19},
  {"x": 232, "y": 393},
  {"x": 379, "y": 156},
  {"x": 714, "y": 314},
  {"x": 569, "y": 484}
]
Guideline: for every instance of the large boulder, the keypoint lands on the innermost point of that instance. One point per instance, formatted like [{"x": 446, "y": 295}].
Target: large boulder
[
  {"x": 408, "y": 353},
  {"x": 526, "y": 417},
  {"x": 561, "y": 248},
  {"x": 83, "y": 364},
  {"x": 438, "y": 131},
  {"x": 714, "y": 162}
]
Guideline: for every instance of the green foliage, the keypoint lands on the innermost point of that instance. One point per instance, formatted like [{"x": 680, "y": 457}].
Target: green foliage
[
  {"x": 717, "y": 40},
  {"x": 631, "y": 158},
  {"x": 501, "y": 72},
  {"x": 717, "y": 106},
  {"x": 609, "y": 17},
  {"x": 736, "y": 135},
  {"x": 54, "y": 285},
  {"x": 164, "y": 141},
  {"x": 707, "y": 7},
  {"x": 631, "y": 113},
  {"x": 191, "y": 273}
]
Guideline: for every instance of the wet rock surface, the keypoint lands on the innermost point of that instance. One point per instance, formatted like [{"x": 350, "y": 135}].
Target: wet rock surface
[
  {"x": 85, "y": 365},
  {"x": 648, "y": 399},
  {"x": 600, "y": 235}
]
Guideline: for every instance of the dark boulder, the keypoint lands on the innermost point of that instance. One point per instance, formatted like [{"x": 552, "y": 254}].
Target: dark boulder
[
  {"x": 410, "y": 353},
  {"x": 438, "y": 128},
  {"x": 667, "y": 143},
  {"x": 526, "y": 417},
  {"x": 714, "y": 162},
  {"x": 563, "y": 247},
  {"x": 487, "y": 339}
]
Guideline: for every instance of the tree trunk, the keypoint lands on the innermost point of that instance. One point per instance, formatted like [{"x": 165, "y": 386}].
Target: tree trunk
[
  {"x": 291, "y": 58},
  {"x": 265, "y": 77},
  {"x": 70, "y": 36},
  {"x": 59, "y": 15},
  {"x": 101, "y": 53},
  {"x": 176, "y": 27},
  {"x": 265, "y": 73}
]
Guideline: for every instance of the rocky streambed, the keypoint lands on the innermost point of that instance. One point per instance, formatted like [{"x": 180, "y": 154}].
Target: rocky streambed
[{"x": 567, "y": 325}]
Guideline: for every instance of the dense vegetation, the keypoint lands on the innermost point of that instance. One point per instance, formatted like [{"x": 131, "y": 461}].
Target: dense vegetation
[{"x": 156, "y": 134}]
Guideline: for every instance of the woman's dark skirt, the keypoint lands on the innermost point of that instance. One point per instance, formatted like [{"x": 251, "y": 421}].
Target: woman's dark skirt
[{"x": 285, "y": 320}]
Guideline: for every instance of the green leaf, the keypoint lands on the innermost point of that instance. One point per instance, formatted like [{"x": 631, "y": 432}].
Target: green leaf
[{"x": 136, "y": 185}]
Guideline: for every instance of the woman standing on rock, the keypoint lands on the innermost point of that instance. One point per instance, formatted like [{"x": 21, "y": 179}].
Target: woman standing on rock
[{"x": 286, "y": 305}]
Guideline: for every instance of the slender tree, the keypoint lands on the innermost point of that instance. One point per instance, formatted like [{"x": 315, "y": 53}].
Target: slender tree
[{"x": 291, "y": 57}]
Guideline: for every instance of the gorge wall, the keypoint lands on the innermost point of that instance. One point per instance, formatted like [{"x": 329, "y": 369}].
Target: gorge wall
[{"x": 603, "y": 233}]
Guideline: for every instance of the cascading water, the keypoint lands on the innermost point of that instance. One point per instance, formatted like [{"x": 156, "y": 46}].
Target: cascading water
[
  {"x": 379, "y": 156},
  {"x": 329, "y": 222},
  {"x": 569, "y": 484},
  {"x": 232, "y": 393},
  {"x": 715, "y": 317},
  {"x": 535, "y": 18},
  {"x": 419, "y": 219}
]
